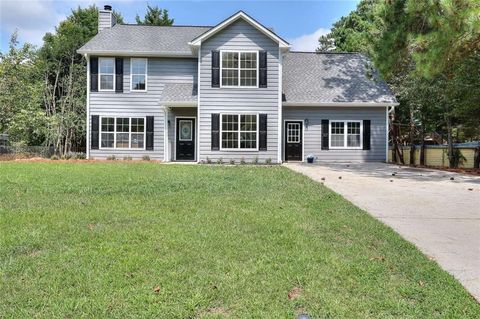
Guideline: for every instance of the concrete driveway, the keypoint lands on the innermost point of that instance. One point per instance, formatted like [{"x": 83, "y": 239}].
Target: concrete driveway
[{"x": 439, "y": 215}]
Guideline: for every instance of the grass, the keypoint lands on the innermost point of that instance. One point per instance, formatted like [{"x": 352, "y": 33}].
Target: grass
[{"x": 126, "y": 240}]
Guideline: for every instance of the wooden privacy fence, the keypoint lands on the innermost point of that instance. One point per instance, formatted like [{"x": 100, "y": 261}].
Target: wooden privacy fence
[{"x": 436, "y": 155}]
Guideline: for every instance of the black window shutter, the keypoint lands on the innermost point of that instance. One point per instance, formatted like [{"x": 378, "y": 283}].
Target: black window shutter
[
  {"x": 366, "y": 134},
  {"x": 94, "y": 132},
  {"x": 215, "y": 132},
  {"x": 119, "y": 75},
  {"x": 93, "y": 74},
  {"x": 215, "y": 69},
  {"x": 149, "y": 138},
  {"x": 262, "y": 70},
  {"x": 325, "y": 124},
  {"x": 262, "y": 130}
]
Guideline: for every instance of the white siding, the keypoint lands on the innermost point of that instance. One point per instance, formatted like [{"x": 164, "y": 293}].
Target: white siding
[
  {"x": 312, "y": 133},
  {"x": 128, "y": 103},
  {"x": 239, "y": 36}
]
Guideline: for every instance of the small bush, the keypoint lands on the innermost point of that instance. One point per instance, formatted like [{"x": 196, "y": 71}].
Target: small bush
[
  {"x": 111, "y": 158},
  {"x": 220, "y": 161},
  {"x": 232, "y": 162},
  {"x": 81, "y": 156},
  {"x": 127, "y": 158},
  {"x": 67, "y": 156},
  {"x": 54, "y": 157},
  {"x": 268, "y": 161},
  {"x": 209, "y": 161},
  {"x": 255, "y": 160},
  {"x": 242, "y": 161},
  {"x": 145, "y": 157}
]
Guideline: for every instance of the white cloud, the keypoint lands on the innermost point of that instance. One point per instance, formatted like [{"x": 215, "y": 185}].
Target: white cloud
[
  {"x": 32, "y": 19},
  {"x": 308, "y": 42}
]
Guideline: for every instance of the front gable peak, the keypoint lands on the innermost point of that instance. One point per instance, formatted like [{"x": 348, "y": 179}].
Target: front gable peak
[{"x": 240, "y": 15}]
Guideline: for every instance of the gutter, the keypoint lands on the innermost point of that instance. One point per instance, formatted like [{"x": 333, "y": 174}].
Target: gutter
[{"x": 342, "y": 104}]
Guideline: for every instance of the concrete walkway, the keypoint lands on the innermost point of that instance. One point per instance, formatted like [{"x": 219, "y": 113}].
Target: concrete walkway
[{"x": 439, "y": 215}]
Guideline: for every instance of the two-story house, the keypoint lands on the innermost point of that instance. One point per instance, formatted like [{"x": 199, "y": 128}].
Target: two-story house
[{"x": 233, "y": 91}]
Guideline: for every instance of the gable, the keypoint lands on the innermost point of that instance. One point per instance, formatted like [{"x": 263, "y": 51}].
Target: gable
[{"x": 240, "y": 16}]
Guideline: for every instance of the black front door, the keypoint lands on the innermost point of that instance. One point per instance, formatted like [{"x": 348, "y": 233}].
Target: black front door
[
  {"x": 293, "y": 140},
  {"x": 185, "y": 141}
]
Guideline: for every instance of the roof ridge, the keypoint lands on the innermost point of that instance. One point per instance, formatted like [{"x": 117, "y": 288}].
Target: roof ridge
[{"x": 167, "y": 26}]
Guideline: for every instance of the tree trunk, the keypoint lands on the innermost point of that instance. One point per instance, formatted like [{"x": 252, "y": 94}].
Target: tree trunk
[
  {"x": 450, "y": 155},
  {"x": 411, "y": 137},
  {"x": 422, "y": 148}
]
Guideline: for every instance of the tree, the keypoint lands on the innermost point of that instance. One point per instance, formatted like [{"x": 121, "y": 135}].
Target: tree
[
  {"x": 155, "y": 16},
  {"x": 428, "y": 52},
  {"x": 64, "y": 78},
  {"x": 21, "y": 95}
]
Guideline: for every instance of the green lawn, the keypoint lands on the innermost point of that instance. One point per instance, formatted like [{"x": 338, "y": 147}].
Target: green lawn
[{"x": 149, "y": 240}]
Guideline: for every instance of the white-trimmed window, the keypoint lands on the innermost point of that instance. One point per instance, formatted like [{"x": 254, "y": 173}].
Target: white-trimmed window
[
  {"x": 239, "y": 131},
  {"x": 138, "y": 74},
  {"x": 106, "y": 74},
  {"x": 346, "y": 134},
  {"x": 239, "y": 68},
  {"x": 122, "y": 132}
]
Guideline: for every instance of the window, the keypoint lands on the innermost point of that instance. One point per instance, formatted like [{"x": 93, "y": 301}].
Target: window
[
  {"x": 239, "y": 131},
  {"x": 106, "y": 73},
  {"x": 293, "y": 133},
  {"x": 345, "y": 134},
  {"x": 239, "y": 68},
  {"x": 122, "y": 132},
  {"x": 138, "y": 74}
]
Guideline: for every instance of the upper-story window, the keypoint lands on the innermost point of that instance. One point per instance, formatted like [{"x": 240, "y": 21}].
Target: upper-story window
[
  {"x": 106, "y": 73},
  {"x": 239, "y": 68},
  {"x": 138, "y": 74}
]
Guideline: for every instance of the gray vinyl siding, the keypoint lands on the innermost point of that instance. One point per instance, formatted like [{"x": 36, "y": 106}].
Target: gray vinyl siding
[
  {"x": 239, "y": 36},
  {"x": 312, "y": 133},
  {"x": 128, "y": 103},
  {"x": 172, "y": 114}
]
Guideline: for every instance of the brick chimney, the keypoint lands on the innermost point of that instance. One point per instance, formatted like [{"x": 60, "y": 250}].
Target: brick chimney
[{"x": 106, "y": 19}]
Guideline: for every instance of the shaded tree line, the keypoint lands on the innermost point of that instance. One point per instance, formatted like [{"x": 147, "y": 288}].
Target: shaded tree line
[
  {"x": 429, "y": 53},
  {"x": 43, "y": 90}
]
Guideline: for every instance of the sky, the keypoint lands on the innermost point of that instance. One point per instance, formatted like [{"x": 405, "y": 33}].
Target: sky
[{"x": 301, "y": 23}]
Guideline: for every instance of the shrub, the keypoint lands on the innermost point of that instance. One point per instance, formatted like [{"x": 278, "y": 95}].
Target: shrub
[
  {"x": 242, "y": 161},
  {"x": 268, "y": 161},
  {"x": 127, "y": 158},
  {"x": 81, "y": 156},
  {"x": 145, "y": 157},
  {"x": 220, "y": 160},
  {"x": 54, "y": 157},
  {"x": 67, "y": 156},
  {"x": 209, "y": 161},
  {"x": 232, "y": 162},
  {"x": 255, "y": 160},
  {"x": 111, "y": 158}
]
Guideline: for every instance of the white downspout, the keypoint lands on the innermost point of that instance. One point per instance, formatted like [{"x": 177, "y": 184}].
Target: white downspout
[
  {"x": 166, "y": 148},
  {"x": 87, "y": 127},
  {"x": 389, "y": 109},
  {"x": 198, "y": 106},
  {"x": 280, "y": 111}
]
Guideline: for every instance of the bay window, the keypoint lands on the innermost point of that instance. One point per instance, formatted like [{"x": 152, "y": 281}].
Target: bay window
[
  {"x": 239, "y": 131},
  {"x": 122, "y": 132},
  {"x": 345, "y": 134},
  {"x": 239, "y": 68},
  {"x": 106, "y": 74}
]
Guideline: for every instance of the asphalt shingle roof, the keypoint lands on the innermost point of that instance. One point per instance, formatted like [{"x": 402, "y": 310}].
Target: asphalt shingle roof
[
  {"x": 331, "y": 77},
  {"x": 144, "y": 39},
  {"x": 179, "y": 92}
]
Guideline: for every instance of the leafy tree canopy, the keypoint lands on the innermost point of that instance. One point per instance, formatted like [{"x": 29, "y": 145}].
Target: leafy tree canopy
[{"x": 155, "y": 16}]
